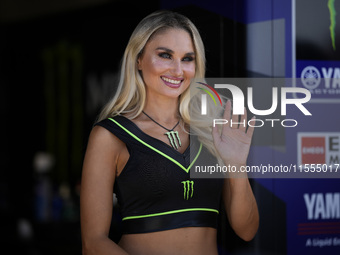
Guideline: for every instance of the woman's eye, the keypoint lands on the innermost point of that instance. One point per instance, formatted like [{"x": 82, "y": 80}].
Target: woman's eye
[
  {"x": 188, "y": 59},
  {"x": 164, "y": 55}
]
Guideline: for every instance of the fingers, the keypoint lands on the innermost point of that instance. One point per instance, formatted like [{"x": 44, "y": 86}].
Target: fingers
[
  {"x": 243, "y": 121},
  {"x": 227, "y": 116},
  {"x": 215, "y": 134},
  {"x": 250, "y": 130},
  {"x": 227, "y": 110},
  {"x": 235, "y": 121}
]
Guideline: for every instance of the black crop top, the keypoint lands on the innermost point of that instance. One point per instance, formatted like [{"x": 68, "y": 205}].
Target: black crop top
[{"x": 154, "y": 190}]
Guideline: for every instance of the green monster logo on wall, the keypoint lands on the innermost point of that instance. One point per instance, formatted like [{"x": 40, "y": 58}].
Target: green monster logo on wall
[{"x": 332, "y": 13}]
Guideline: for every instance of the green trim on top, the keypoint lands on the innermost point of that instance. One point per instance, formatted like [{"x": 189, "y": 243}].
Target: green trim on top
[
  {"x": 170, "y": 212},
  {"x": 158, "y": 151}
]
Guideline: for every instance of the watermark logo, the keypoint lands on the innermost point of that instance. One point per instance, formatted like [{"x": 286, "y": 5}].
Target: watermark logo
[
  {"x": 204, "y": 97},
  {"x": 279, "y": 98},
  {"x": 238, "y": 99}
]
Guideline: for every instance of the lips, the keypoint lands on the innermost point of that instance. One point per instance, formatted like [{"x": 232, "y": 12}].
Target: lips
[{"x": 172, "y": 82}]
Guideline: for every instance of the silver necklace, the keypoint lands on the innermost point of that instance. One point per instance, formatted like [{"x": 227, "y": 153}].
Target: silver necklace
[{"x": 171, "y": 134}]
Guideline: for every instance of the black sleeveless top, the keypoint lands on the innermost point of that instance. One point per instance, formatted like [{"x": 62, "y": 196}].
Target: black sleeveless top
[{"x": 154, "y": 190}]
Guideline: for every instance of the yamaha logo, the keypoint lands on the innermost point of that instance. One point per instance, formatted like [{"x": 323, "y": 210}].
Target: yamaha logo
[{"x": 310, "y": 77}]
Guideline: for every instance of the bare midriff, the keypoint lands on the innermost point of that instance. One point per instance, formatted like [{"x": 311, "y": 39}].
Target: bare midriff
[{"x": 188, "y": 241}]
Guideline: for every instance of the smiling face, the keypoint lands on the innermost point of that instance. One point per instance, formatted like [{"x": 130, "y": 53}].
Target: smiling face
[{"x": 167, "y": 63}]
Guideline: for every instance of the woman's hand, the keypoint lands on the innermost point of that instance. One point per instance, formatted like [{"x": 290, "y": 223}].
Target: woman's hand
[{"x": 233, "y": 142}]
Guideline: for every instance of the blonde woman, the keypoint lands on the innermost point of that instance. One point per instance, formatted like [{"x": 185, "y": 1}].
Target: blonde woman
[{"x": 140, "y": 149}]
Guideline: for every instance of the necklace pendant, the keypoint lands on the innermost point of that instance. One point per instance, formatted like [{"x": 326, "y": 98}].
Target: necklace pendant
[{"x": 173, "y": 138}]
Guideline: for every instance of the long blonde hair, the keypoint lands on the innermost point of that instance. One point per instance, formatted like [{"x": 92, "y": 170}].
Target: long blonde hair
[{"x": 130, "y": 95}]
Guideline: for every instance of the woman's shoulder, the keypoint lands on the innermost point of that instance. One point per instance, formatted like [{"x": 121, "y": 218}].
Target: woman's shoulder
[
  {"x": 102, "y": 136},
  {"x": 110, "y": 121},
  {"x": 114, "y": 124}
]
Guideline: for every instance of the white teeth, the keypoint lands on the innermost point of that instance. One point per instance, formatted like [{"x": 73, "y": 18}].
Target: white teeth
[{"x": 171, "y": 81}]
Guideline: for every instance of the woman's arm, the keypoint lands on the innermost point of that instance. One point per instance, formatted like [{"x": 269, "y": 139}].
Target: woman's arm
[
  {"x": 241, "y": 207},
  {"x": 233, "y": 144},
  {"x": 96, "y": 198}
]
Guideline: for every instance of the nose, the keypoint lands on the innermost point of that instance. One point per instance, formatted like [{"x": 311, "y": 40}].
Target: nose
[{"x": 176, "y": 68}]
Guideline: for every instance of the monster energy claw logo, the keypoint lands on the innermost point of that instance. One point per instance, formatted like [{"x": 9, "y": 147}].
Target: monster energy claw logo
[
  {"x": 188, "y": 189},
  {"x": 173, "y": 137}
]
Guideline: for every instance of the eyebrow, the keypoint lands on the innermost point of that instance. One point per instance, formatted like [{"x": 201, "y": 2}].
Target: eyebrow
[{"x": 172, "y": 52}]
